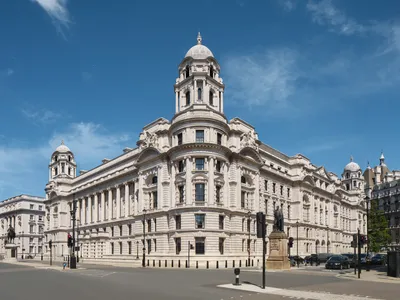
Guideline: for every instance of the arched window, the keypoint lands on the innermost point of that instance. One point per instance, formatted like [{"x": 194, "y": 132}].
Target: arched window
[
  {"x": 347, "y": 175},
  {"x": 56, "y": 158},
  {"x": 69, "y": 157},
  {"x": 62, "y": 168},
  {"x": 187, "y": 73},
  {"x": 199, "y": 94},
  {"x": 347, "y": 187},
  {"x": 55, "y": 171},
  {"x": 69, "y": 171},
  {"x": 187, "y": 98},
  {"x": 154, "y": 180},
  {"x": 211, "y": 71},
  {"x": 211, "y": 96}
]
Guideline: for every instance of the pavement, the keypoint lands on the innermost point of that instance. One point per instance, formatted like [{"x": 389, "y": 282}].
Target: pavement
[{"x": 35, "y": 280}]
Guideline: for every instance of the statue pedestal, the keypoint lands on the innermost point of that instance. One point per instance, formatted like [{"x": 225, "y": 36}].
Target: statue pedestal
[
  {"x": 278, "y": 251},
  {"x": 11, "y": 252}
]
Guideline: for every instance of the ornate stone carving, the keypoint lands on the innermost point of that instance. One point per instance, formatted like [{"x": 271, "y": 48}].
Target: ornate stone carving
[
  {"x": 249, "y": 140},
  {"x": 148, "y": 140}
]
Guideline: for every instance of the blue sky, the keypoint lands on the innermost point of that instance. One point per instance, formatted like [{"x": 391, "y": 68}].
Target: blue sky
[{"x": 314, "y": 77}]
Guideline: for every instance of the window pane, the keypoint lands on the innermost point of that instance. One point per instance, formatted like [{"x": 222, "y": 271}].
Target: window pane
[
  {"x": 199, "y": 136},
  {"x": 200, "y": 220},
  {"x": 200, "y": 246},
  {"x": 200, "y": 164},
  {"x": 200, "y": 192}
]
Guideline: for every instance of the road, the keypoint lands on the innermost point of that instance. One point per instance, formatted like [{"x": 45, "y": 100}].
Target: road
[{"x": 103, "y": 282}]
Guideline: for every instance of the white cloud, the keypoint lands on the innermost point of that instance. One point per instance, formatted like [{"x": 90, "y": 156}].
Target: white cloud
[
  {"x": 40, "y": 116},
  {"x": 324, "y": 13},
  {"x": 57, "y": 10},
  {"x": 24, "y": 168},
  {"x": 262, "y": 80},
  {"x": 288, "y": 5}
]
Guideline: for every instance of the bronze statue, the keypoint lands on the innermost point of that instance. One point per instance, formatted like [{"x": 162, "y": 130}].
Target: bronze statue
[
  {"x": 278, "y": 220},
  {"x": 10, "y": 235}
]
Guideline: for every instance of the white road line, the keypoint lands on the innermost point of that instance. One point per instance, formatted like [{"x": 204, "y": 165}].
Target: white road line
[{"x": 293, "y": 293}]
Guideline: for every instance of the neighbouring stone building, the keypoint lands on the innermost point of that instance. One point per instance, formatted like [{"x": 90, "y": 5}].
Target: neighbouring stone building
[
  {"x": 199, "y": 179},
  {"x": 383, "y": 186},
  {"x": 26, "y": 214}
]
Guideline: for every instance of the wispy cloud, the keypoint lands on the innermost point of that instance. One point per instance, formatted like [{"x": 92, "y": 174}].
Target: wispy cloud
[
  {"x": 7, "y": 72},
  {"x": 268, "y": 79},
  {"x": 90, "y": 143},
  {"x": 42, "y": 116},
  {"x": 58, "y": 12},
  {"x": 288, "y": 5},
  {"x": 324, "y": 13}
]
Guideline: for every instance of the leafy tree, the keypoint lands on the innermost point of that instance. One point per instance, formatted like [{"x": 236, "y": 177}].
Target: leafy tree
[{"x": 378, "y": 231}]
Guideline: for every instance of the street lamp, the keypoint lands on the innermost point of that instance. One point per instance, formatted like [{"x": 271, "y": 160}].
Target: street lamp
[
  {"x": 73, "y": 215},
  {"x": 367, "y": 201},
  {"x": 23, "y": 249},
  {"x": 297, "y": 242},
  {"x": 144, "y": 239},
  {"x": 249, "y": 240}
]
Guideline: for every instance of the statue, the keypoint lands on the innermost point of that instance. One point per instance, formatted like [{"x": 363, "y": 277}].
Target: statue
[
  {"x": 10, "y": 235},
  {"x": 278, "y": 220}
]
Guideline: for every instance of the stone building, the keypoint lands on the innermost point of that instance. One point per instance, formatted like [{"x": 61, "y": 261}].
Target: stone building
[
  {"x": 199, "y": 180},
  {"x": 26, "y": 214},
  {"x": 383, "y": 186}
]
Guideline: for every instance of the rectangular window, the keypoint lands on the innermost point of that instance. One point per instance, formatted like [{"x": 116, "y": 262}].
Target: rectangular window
[
  {"x": 129, "y": 247},
  {"x": 40, "y": 207},
  {"x": 155, "y": 245},
  {"x": 178, "y": 222},
  {"x": 200, "y": 245},
  {"x": 31, "y": 206},
  {"x": 199, "y": 164},
  {"x": 219, "y": 139},
  {"x": 218, "y": 194},
  {"x": 155, "y": 200},
  {"x": 112, "y": 231},
  {"x": 149, "y": 225},
  {"x": 266, "y": 185},
  {"x": 180, "y": 138},
  {"x": 31, "y": 229},
  {"x": 120, "y": 230},
  {"x": 288, "y": 192},
  {"x": 199, "y": 187},
  {"x": 281, "y": 190},
  {"x": 177, "y": 245},
  {"x": 181, "y": 194},
  {"x": 221, "y": 222},
  {"x": 218, "y": 166},
  {"x": 112, "y": 248},
  {"x": 129, "y": 229},
  {"x": 221, "y": 245},
  {"x": 148, "y": 246},
  {"x": 181, "y": 166},
  {"x": 31, "y": 217},
  {"x": 199, "y": 136},
  {"x": 200, "y": 221},
  {"x": 274, "y": 187},
  {"x": 120, "y": 247},
  {"x": 243, "y": 200},
  {"x": 155, "y": 225}
]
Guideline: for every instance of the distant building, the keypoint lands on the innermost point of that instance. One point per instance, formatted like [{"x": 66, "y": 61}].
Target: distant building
[
  {"x": 26, "y": 214},
  {"x": 199, "y": 180},
  {"x": 383, "y": 186}
]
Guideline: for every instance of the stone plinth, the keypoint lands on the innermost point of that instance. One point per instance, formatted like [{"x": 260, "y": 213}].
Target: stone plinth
[
  {"x": 11, "y": 252},
  {"x": 278, "y": 251}
]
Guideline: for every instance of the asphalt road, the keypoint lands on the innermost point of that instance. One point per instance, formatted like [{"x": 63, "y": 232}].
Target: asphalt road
[{"x": 104, "y": 282}]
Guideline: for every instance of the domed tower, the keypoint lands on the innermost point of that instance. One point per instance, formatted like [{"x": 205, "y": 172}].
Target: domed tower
[
  {"x": 199, "y": 81},
  {"x": 62, "y": 164},
  {"x": 351, "y": 177}
]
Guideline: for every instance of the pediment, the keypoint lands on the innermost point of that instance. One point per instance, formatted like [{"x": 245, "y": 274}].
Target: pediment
[
  {"x": 322, "y": 172},
  {"x": 308, "y": 179},
  {"x": 252, "y": 154},
  {"x": 148, "y": 154}
]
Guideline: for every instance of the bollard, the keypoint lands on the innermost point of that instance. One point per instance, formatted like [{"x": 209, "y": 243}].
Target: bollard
[{"x": 236, "y": 272}]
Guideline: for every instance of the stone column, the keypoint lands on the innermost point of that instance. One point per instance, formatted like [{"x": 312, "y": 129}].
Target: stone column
[
  {"x": 103, "y": 206},
  {"x": 127, "y": 201},
  {"x": 141, "y": 195},
  {"x": 222, "y": 102},
  {"x": 225, "y": 196},
  {"x": 188, "y": 185},
  {"x": 211, "y": 185},
  {"x": 176, "y": 102},
  {"x": 118, "y": 200},
  {"x": 90, "y": 208},
  {"x": 96, "y": 207},
  {"x": 110, "y": 204},
  {"x": 78, "y": 209},
  {"x": 84, "y": 203},
  {"x": 135, "y": 195},
  {"x": 172, "y": 186},
  {"x": 160, "y": 193}
]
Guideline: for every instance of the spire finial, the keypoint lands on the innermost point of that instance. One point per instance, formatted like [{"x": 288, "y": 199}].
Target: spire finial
[
  {"x": 199, "y": 39},
  {"x": 351, "y": 157},
  {"x": 62, "y": 142}
]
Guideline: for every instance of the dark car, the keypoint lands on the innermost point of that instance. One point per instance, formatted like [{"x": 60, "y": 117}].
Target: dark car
[
  {"x": 352, "y": 259},
  {"x": 378, "y": 259},
  {"x": 297, "y": 259},
  {"x": 337, "y": 262}
]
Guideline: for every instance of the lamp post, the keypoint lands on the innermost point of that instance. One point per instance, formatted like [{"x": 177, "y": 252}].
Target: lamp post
[
  {"x": 249, "y": 240},
  {"x": 327, "y": 239},
  {"x": 144, "y": 238},
  {"x": 23, "y": 249},
  {"x": 297, "y": 243},
  {"x": 137, "y": 249},
  {"x": 367, "y": 201},
  {"x": 73, "y": 215}
]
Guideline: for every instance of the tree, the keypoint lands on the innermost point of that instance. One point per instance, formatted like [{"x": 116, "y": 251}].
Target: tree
[{"x": 378, "y": 232}]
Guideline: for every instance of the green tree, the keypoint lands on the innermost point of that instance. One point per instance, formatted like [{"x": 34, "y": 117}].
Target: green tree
[{"x": 378, "y": 231}]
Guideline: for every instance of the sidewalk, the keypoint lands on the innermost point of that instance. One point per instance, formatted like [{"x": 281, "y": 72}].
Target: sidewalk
[
  {"x": 40, "y": 265},
  {"x": 374, "y": 275}
]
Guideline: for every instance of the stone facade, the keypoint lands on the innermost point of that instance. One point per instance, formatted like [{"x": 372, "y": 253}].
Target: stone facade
[
  {"x": 27, "y": 215},
  {"x": 198, "y": 179}
]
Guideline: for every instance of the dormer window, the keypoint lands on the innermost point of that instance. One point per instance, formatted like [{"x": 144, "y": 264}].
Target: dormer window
[
  {"x": 187, "y": 98},
  {"x": 62, "y": 168},
  {"x": 187, "y": 72},
  {"x": 199, "y": 94},
  {"x": 212, "y": 71},
  {"x": 56, "y": 158}
]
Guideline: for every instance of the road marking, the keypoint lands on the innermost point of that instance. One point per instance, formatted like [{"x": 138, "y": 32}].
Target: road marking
[{"x": 293, "y": 293}]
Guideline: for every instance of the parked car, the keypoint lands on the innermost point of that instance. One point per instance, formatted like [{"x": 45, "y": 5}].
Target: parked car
[
  {"x": 337, "y": 262},
  {"x": 378, "y": 259},
  {"x": 352, "y": 259},
  {"x": 297, "y": 258}
]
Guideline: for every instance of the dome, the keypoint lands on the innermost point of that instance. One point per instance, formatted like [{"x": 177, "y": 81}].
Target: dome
[
  {"x": 352, "y": 166},
  {"x": 199, "y": 51},
  {"x": 62, "y": 148}
]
